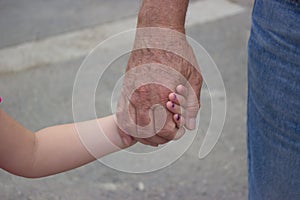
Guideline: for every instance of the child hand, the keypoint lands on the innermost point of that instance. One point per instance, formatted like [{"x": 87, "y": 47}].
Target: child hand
[{"x": 176, "y": 105}]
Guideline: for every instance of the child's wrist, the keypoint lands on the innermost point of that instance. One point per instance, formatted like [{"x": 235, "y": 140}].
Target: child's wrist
[
  {"x": 125, "y": 139},
  {"x": 118, "y": 138}
]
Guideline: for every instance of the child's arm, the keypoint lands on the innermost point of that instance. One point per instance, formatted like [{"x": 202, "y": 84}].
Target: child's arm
[{"x": 54, "y": 149}]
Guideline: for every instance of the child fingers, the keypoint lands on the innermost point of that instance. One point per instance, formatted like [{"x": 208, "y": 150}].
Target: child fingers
[
  {"x": 180, "y": 89},
  {"x": 179, "y": 120},
  {"x": 177, "y": 99},
  {"x": 174, "y": 108}
]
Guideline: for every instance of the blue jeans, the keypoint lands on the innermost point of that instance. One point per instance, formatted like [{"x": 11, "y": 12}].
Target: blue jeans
[{"x": 273, "y": 122}]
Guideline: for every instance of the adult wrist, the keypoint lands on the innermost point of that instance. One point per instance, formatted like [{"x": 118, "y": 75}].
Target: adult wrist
[
  {"x": 165, "y": 14},
  {"x": 148, "y": 20}
]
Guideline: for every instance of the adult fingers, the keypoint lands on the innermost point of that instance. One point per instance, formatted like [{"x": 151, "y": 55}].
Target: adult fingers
[{"x": 193, "y": 99}]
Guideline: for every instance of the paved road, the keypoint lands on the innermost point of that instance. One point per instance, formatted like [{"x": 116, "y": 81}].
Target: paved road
[{"x": 41, "y": 96}]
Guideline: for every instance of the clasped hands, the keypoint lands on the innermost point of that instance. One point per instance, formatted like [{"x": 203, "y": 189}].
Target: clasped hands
[{"x": 162, "y": 72}]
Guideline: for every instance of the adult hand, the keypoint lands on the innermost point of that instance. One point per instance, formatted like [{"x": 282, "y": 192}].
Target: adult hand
[{"x": 158, "y": 49}]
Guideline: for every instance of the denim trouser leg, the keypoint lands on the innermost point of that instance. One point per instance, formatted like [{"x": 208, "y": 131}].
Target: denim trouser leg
[{"x": 274, "y": 101}]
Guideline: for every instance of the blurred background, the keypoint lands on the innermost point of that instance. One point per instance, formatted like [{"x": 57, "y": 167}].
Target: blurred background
[{"x": 42, "y": 45}]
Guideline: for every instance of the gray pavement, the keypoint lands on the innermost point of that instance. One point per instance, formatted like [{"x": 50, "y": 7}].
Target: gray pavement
[{"x": 42, "y": 96}]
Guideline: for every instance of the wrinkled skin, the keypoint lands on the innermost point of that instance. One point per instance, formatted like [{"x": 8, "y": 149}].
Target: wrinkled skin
[{"x": 146, "y": 96}]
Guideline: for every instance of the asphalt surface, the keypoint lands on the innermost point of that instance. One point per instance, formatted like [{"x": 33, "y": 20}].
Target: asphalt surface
[{"x": 42, "y": 96}]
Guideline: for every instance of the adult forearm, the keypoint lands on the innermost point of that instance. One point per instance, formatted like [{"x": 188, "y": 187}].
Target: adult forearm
[
  {"x": 166, "y": 14},
  {"x": 155, "y": 47}
]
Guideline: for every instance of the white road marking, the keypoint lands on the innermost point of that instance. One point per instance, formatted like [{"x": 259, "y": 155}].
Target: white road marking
[{"x": 77, "y": 44}]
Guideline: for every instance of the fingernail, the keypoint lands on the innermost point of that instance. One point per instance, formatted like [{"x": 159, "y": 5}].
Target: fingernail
[
  {"x": 173, "y": 105},
  {"x": 175, "y": 96},
  {"x": 191, "y": 123},
  {"x": 178, "y": 117},
  {"x": 0, "y": 99}
]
